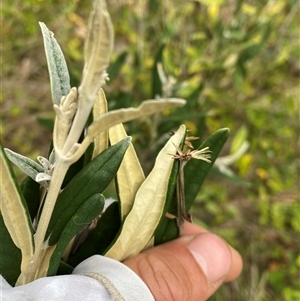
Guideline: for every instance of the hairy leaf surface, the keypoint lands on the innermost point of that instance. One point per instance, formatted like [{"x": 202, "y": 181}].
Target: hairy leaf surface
[
  {"x": 30, "y": 167},
  {"x": 57, "y": 66}
]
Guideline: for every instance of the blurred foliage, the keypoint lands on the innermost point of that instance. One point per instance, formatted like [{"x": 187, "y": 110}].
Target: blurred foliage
[{"x": 236, "y": 62}]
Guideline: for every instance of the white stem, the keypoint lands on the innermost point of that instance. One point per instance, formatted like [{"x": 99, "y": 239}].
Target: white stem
[
  {"x": 59, "y": 173},
  {"x": 82, "y": 114}
]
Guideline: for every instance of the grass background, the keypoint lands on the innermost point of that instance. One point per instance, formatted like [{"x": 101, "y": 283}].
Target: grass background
[{"x": 236, "y": 62}]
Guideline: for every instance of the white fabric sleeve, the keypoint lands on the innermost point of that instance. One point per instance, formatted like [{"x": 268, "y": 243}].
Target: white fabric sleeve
[{"x": 97, "y": 278}]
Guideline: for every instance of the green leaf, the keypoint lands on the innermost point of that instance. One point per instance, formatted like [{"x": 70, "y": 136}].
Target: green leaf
[
  {"x": 48, "y": 123},
  {"x": 166, "y": 231},
  {"x": 156, "y": 82},
  {"x": 193, "y": 99},
  {"x": 57, "y": 66},
  {"x": 196, "y": 171},
  {"x": 99, "y": 238},
  {"x": 31, "y": 193},
  {"x": 93, "y": 178},
  {"x": 84, "y": 215},
  {"x": 16, "y": 218},
  {"x": 116, "y": 66},
  {"x": 10, "y": 256},
  {"x": 30, "y": 167}
]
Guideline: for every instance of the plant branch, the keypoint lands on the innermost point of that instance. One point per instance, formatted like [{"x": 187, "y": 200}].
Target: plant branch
[{"x": 59, "y": 173}]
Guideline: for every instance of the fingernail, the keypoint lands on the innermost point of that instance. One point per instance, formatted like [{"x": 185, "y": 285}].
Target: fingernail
[{"x": 212, "y": 255}]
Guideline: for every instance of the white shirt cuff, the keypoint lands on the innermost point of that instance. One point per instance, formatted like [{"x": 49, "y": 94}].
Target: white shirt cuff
[{"x": 96, "y": 278}]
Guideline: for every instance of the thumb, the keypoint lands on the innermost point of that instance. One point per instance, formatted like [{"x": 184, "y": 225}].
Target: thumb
[{"x": 189, "y": 268}]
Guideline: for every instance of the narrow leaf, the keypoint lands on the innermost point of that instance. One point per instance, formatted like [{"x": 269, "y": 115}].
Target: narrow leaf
[
  {"x": 196, "y": 171},
  {"x": 31, "y": 192},
  {"x": 130, "y": 175},
  {"x": 57, "y": 66},
  {"x": 149, "y": 204},
  {"x": 97, "y": 50},
  {"x": 10, "y": 255},
  {"x": 156, "y": 82},
  {"x": 100, "y": 108},
  {"x": 122, "y": 115},
  {"x": 84, "y": 215},
  {"x": 15, "y": 212},
  {"x": 30, "y": 167},
  {"x": 116, "y": 66}
]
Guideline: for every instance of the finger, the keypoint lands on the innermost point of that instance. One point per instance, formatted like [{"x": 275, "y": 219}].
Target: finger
[
  {"x": 189, "y": 268},
  {"x": 237, "y": 262}
]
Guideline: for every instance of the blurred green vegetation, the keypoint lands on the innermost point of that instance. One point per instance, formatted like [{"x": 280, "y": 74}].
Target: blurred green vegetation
[{"x": 236, "y": 62}]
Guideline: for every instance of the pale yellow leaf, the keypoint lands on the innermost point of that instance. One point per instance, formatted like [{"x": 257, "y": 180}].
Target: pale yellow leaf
[
  {"x": 130, "y": 175},
  {"x": 100, "y": 108},
  {"x": 147, "y": 210},
  {"x": 122, "y": 115},
  {"x": 16, "y": 220},
  {"x": 97, "y": 50}
]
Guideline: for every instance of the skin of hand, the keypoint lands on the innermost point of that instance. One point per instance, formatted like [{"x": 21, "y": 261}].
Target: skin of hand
[{"x": 190, "y": 268}]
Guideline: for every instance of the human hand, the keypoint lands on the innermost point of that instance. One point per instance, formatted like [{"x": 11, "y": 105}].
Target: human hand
[{"x": 190, "y": 268}]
